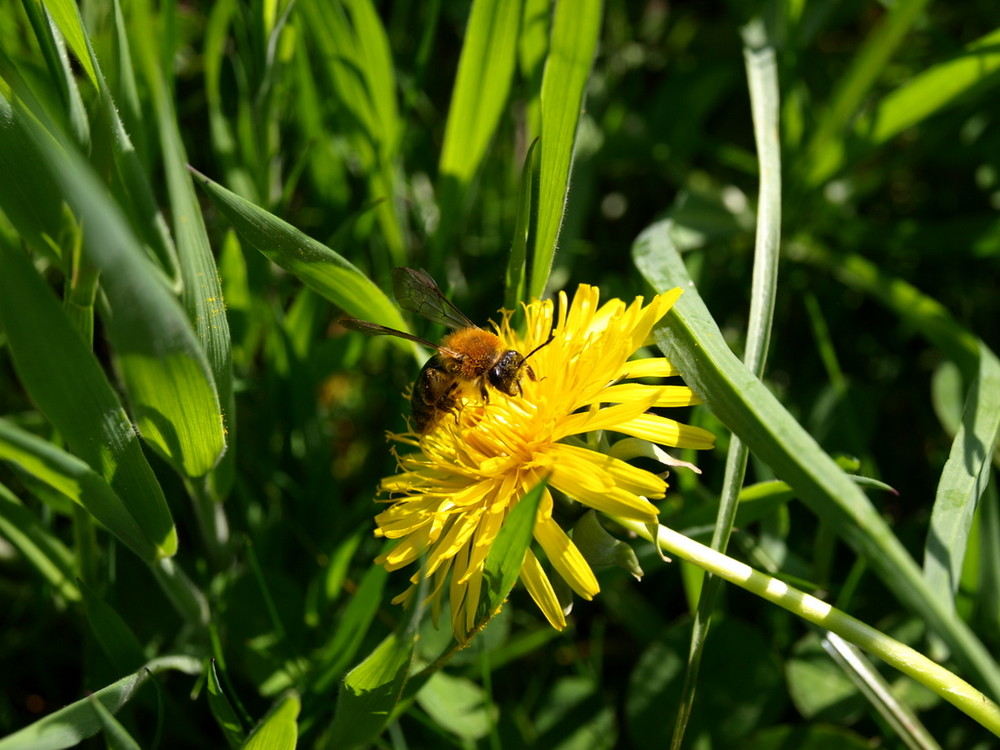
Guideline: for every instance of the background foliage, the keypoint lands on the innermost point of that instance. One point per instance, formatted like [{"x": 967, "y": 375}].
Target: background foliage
[{"x": 371, "y": 129}]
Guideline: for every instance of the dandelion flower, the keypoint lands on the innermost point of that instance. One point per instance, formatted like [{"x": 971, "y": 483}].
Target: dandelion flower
[{"x": 452, "y": 494}]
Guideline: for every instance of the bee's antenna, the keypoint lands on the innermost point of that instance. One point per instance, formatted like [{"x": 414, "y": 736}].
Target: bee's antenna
[{"x": 545, "y": 343}]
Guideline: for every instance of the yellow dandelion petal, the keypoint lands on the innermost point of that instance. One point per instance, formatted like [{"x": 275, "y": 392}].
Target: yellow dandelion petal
[
  {"x": 651, "y": 367},
  {"x": 661, "y": 395},
  {"x": 566, "y": 558},
  {"x": 456, "y": 485},
  {"x": 664, "y": 431},
  {"x": 540, "y": 589},
  {"x": 617, "y": 473}
]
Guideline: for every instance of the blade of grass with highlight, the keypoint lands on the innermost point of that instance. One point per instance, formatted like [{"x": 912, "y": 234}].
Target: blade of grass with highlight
[
  {"x": 575, "y": 30},
  {"x": 278, "y": 730},
  {"x": 517, "y": 267},
  {"x": 692, "y": 341},
  {"x": 52, "y": 560},
  {"x": 319, "y": 267},
  {"x": 170, "y": 386},
  {"x": 64, "y": 379},
  {"x": 973, "y": 71},
  {"x": 825, "y": 152},
  {"x": 74, "y": 479},
  {"x": 201, "y": 294},
  {"x": 762, "y": 77},
  {"x": 478, "y": 100}
]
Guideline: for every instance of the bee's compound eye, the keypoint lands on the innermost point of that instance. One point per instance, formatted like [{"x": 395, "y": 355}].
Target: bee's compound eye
[{"x": 505, "y": 374}]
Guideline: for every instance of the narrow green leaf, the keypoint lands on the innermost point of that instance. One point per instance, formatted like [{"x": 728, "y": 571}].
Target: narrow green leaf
[
  {"x": 115, "y": 637},
  {"x": 478, "y": 100},
  {"x": 517, "y": 267},
  {"x": 64, "y": 379},
  {"x": 354, "y": 47},
  {"x": 352, "y": 626},
  {"x": 71, "y": 725},
  {"x": 369, "y": 693},
  {"x": 73, "y": 478},
  {"x": 114, "y": 733},
  {"x": 169, "y": 383},
  {"x": 825, "y": 152},
  {"x": 278, "y": 730},
  {"x": 222, "y": 710},
  {"x": 575, "y": 30},
  {"x": 693, "y": 342},
  {"x": 44, "y": 552},
  {"x": 503, "y": 562},
  {"x": 319, "y": 267},
  {"x": 66, "y": 15},
  {"x": 963, "y": 480},
  {"x": 933, "y": 90}
]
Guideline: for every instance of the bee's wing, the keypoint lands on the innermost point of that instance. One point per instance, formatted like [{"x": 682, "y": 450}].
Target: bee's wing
[
  {"x": 416, "y": 291},
  {"x": 374, "y": 329}
]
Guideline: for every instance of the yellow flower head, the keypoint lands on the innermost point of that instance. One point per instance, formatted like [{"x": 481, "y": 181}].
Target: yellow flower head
[{"x": 451, "y": 497}]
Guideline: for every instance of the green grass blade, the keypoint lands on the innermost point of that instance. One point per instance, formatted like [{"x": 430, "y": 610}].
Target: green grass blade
[
  {"x": 66, "y": 15},
  {"x": 693, "y": 342},
  {"x": 478, "y": 100},
  {"x": 73, "y": 478},
  {"x": 354, "y": 46},
  {"x": 64, "y": 379},
  {"x": 319, "y": 267},
  {"x": 825, "y": 152},
  {"x": 116, "y": 736},
  {"x": 278, "y": 730},
  {"x": 369, "y": 693},
  {"x": 971, "y": 72},
  {"x": 575, "y": 30},
  {"x": 517, "y": 267},
  {"x": 223, "y": 711},
  {"x": 71, "y": 725},
  {"x": 202, "y": 290},
  {"x": 762, "y": 76},
  {"x": 36, "y": 544},
  {"x": 963, "y": 480}
]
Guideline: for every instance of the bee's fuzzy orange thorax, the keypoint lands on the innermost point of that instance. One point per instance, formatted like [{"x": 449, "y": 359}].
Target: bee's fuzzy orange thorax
[{"x": 480, "y": 350}]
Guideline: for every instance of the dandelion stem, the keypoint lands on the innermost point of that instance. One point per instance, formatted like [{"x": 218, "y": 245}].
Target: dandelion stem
[{"x": 907, "y": 660}]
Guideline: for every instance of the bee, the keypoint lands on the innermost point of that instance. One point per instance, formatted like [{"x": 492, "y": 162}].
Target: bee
[{"x": 469, "y": 356}]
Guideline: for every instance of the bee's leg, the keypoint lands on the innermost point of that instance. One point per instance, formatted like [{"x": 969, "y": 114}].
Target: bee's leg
[
  {"x": 483, "y": 392},
  {"x": 531, "y": 373}
]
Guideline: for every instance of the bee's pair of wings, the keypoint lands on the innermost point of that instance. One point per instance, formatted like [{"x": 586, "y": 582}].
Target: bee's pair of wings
[{"x": 417, "y": 292}]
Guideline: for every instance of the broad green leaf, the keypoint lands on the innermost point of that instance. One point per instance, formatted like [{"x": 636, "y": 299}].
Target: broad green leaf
[
  {"x": 369, "y": 693},
  {"x": 278, "y": 730},
  {"x": 575, "y": 30},
  {"x": 971, "y": 71},
  {"x": 458, "y": 705},
  {"x": 222, "y": 710},
  {"x": 692, "y": 341},
  {"x": 319, "y": 267},
  {"x": 169, "y": 384},
  {"x": 46, "y": 554},
  {"x": 73, "y": 478},
  {"x": 478, "y": 100},
  {"x": 65, "y": 380}
]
